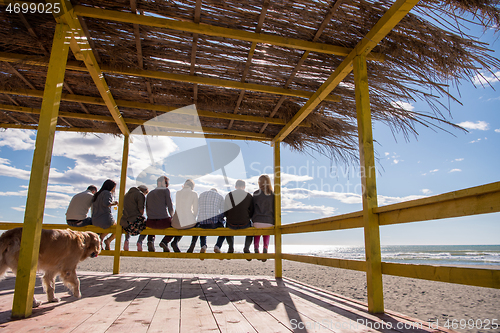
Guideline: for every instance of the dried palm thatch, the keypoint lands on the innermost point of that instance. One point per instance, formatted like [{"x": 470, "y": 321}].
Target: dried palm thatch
[{"x": 425, "y": 53}]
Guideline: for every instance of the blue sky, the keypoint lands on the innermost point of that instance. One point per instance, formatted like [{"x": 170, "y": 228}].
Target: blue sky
[{"x": 429, "y": 164}]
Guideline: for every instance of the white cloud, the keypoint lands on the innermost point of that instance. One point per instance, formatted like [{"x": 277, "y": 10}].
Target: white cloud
[
  {"x": 9, "y": 171},
  {"x": 22, "y": 193},
  {"x": 395, "y": 161},
  {"x": 18, "y": 139},
  {"x": 497, "y": 130},
  {"x": 458, "y": 159},
  {"x": 478, "y": 125},
  {"x": 474, "y": 141},
  {"x": 426, "y": 191},
  {"x": 19, "y": 209},
  {"x": 386, "y": 154},
  {"x": 484, "y": 78},
  {"x": 435, "y": 170},
  {"x": 402, "y": 105},
  {"x": 455, "y": 170}
]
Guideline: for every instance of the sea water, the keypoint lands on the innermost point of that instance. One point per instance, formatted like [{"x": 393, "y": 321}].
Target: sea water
[{"x": 468, "y": 255}]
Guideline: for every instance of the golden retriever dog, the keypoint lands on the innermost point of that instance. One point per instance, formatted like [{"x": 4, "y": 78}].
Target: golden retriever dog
[{"x": 60, "y": 252}]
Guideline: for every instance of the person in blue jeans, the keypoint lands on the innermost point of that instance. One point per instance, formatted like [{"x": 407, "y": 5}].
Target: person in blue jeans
[{"x": 210, "y": 216}]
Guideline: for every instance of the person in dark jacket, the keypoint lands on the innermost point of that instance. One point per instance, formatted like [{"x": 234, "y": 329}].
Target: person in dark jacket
[{"x": 238, "y": 209}]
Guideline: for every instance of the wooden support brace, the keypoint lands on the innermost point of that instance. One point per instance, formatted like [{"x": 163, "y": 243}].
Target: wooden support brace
[
  {"x": 35, "y": 203},
  {"x": 123, "y": 183}
]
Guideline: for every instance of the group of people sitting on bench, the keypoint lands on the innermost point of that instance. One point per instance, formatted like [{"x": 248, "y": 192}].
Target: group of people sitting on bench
[{"x": 238, "y": 210}]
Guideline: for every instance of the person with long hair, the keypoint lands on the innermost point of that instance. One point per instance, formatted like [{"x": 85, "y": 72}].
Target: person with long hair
[
  {"x": 101, "y": 210},
  {"x": 263, "y": 215}
]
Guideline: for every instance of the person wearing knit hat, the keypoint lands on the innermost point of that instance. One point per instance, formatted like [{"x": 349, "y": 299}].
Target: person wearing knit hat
[{"x": 132, "y": 220}]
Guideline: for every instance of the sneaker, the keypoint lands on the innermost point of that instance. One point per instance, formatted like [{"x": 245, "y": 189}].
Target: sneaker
[
  {"x": 247, "y": 251},
  {"x": 139, "y": 247},
  {"x": 264, "y": 251},
  {"x": 203, "y": 250},
  {"x": 216, "y": 249},
  {"x": 125, "y": 245},
  {"x": 175, "y": 247},
  {"x": 164, "y": 247},
  {"x": 151, "y": 247}
]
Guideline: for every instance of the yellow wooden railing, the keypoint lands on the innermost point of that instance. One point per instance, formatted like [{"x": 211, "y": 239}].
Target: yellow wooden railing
[{"x": 472, "y": 201}]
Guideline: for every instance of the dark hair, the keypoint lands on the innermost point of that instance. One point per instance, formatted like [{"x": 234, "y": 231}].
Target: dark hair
[
  {"x": 92, "y": 188},
  {"x": 108, "y": 185}
]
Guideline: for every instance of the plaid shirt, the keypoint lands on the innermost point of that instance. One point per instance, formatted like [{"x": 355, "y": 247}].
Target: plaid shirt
[{"x": 210, "y": 207}]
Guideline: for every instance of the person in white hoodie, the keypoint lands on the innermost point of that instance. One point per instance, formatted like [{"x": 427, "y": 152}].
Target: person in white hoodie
[{"x": 186, "y": 210}]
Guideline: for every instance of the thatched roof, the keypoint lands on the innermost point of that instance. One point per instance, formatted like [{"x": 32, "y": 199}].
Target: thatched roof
[{"x": 422, "y": 55}]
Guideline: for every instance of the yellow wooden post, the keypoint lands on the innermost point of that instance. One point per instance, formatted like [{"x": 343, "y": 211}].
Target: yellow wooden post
[
  {"x": 37, "y": 190},
  {"x": 368, "y": 182},
  {"x": 278, "y": 269},
  {"x": 123, "y": 183}
]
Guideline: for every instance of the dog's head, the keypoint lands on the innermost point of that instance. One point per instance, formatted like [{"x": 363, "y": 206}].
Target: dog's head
[{"x": 92, "y": 244}]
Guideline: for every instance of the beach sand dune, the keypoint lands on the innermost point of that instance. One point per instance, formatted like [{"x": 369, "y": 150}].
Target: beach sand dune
[{"x": 425, "y": 300}]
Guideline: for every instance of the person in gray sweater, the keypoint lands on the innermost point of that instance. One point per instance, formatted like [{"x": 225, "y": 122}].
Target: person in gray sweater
[{"x": 263, "y": 215}]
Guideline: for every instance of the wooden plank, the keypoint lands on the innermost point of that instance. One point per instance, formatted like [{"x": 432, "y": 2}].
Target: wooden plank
[
  {"x": 97, "y": 291},
  {"x": 353, "y": 310},
  {"x": 356, "y": 265},
  {"x": 212, "y": 30},
  {"x": 39, "y": 176},
  {"x": 196, "y": 315},
  {"x": 369, "y": 186},
  {"x": 84, "y": 52},
  {"x": 426, "y": 210},
  {"x": 228, "y": 318},
  {"x": 260, "y": 319},
  {"x": 101, "y": 320},
  {"x": 139, "y": 313},
  {"x": 168, "y": 312},
  {"x": 344, "y": 221},
  {"x": 322, "y": 314},
  {"x": 118, "y": 227},
  {"x": 480, "y": 277},
  {"x": 288, "y": 316}
]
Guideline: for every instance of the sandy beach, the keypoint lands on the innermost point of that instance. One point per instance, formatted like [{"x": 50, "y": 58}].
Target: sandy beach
[{"x": 425, "y": 300}]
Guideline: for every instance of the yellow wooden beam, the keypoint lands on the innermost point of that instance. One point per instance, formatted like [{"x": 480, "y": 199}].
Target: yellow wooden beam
[
  {"x": 183, "y": 255},
  {"x": 132, "y": 121},
  {"x": 83, "y": 52},
  {"x": 142, "y": 106},
  {"x": 39, "y": 176},
  {"x": 211, "y": 30},
  {"x": 339, "y": 222},
  {"x": 78, "y": 66},
  {"x": 123, "y": 183},
  {"x": 148, "y": 231},
  {"x": 487, "y": 278},
  {"x": 390, "y": 19},
  {"x": 278, "y": 262},
  {"x": 369, "y": 186},
  {"x": 355, "y": 265},
  {"x": 472, "y": 201}
]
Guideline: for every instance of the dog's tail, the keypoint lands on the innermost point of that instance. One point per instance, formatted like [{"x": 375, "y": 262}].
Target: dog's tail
[{"x": 9, "y": 242}]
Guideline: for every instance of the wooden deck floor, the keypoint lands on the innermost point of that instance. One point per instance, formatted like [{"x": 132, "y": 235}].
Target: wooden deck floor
[{"x": 202, "y": 303}]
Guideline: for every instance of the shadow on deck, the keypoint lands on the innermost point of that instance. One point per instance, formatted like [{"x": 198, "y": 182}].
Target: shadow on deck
[{"x": 198, "y": 303}]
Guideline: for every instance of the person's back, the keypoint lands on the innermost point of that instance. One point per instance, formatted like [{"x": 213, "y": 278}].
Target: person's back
[
  {"x": 101, "y": 211},
  {"x": 263, "y": 207},
  {"x": 78, "y": 208},
  {"x": 210, "y": 207},
  {"x": 238, "y": 206},
  {"x": 157, "y": 203},
  {"x": 186, "y": 207}
]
